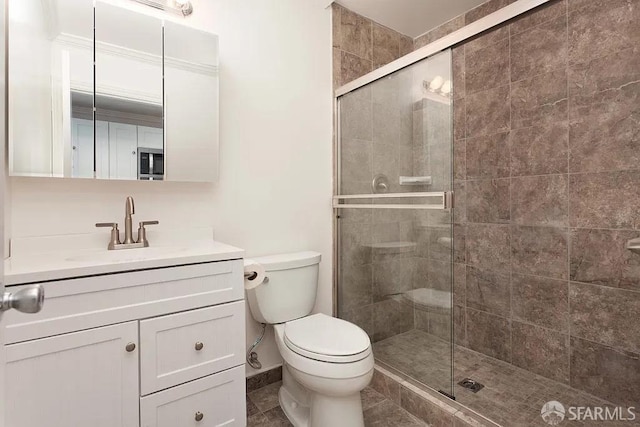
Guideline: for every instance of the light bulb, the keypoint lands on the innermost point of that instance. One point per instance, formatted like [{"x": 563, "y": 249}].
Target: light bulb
[
  {"x": 436, "y": 83},
  {"x": 446, "y": 87},
  {"x": 185, "y": 6}
]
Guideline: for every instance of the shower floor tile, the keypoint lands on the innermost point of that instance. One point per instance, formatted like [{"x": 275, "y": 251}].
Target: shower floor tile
[{"x": 511, "y": 396}]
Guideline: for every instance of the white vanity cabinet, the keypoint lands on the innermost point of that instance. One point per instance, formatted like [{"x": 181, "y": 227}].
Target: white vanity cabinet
[
  {"x": 156, "y": 347},
  {"x": 81, "y": 378}
]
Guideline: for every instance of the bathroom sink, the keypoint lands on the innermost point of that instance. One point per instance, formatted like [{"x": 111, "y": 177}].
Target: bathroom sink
[
  {"x": 128, "y": 255},
  {"x": 52, "y": 258}
]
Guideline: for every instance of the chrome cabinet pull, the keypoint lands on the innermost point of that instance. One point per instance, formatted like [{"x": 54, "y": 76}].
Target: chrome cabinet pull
[
  {"x": 199, "y": 346},
  {"x": 130, "y": 347},
  {"x": 199, "y": 416}
]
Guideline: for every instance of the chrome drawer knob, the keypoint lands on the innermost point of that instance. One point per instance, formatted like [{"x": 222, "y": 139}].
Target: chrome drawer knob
[
  {"x": 199, "y": 346},
  {"x": 199, "y": 416},
  {"x": 130, "y": 347}
]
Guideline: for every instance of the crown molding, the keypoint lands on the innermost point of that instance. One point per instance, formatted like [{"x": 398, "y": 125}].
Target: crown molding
[{"x": 71, "y": 40}]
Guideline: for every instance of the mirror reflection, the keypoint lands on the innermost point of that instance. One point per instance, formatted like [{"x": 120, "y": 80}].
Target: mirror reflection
[
  {"x": 128, "y": 95},
  {"x": 50, "y": 57},
  {"x": 147, "y": 109}
]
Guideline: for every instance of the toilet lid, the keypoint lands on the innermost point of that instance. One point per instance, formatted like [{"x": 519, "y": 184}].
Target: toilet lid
[{"x": 326, "y": 338}]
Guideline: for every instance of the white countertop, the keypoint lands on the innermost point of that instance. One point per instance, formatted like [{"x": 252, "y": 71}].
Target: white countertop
[{"x": 34, "y": 260}]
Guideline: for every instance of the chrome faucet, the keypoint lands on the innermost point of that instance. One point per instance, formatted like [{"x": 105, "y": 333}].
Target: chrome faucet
[{"x": 129, "y": 243}]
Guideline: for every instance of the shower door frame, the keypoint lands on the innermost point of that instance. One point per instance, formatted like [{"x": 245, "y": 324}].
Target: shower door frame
[
  {"x": 377, "y": 202},
  {"x": 492, "y": 20},
  {"x": 481, "y": 25}
]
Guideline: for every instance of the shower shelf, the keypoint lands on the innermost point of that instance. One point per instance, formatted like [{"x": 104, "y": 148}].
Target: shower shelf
[
  {"x": 428, "y": 299},
  {"x": 392, "y": 247},
  {"x": 441, "y": 226}
]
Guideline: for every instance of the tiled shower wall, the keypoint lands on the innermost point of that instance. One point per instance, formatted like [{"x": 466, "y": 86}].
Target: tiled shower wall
[
  {"x": 547, "y": 180},
  {"x": 547, "y": 143},
  {"x": 361, "y": 45}
]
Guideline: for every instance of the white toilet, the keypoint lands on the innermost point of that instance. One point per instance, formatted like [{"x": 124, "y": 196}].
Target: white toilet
[{"x": 327, "y": 361}]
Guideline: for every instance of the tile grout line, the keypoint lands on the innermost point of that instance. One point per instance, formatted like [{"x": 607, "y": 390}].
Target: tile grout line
[
  {"x": 569, "y": 237},
  {"x": 510, "y": 147}
]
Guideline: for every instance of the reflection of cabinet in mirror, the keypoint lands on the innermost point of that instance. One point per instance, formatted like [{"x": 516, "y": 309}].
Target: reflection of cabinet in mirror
[
  {"x": 82, "y": 149},
  {"x": 135, "y": 75},
  {"x": 122, "y": 150}
]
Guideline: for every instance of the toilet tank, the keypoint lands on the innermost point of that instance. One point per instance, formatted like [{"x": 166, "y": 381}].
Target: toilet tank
[{"x": 290, "y": 289}]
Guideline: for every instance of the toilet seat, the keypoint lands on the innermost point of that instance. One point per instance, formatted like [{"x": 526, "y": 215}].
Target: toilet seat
[{"x": 327, "y": 339}]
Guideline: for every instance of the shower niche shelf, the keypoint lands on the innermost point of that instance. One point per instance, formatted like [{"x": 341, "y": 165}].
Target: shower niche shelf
[{"x": 392, "y": 247}]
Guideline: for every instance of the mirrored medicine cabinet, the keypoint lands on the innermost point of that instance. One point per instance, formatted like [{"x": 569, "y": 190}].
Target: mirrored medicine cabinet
[{"x": 102, "y": 91}]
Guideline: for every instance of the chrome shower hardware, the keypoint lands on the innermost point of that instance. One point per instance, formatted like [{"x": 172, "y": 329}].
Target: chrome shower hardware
[
  {"x": 380, "y": 184},
  {"x": 634, "y": 245}
]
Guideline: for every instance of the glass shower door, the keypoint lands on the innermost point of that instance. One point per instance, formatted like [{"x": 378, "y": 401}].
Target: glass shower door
[{"x": 394, "y": 235}]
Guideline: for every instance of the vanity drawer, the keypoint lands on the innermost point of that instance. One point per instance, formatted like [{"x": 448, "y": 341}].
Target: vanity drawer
[
  {"x": 182, "y": 347},
  {"x": 211, "y": 401},
  {"x": 75, "y": 304}
]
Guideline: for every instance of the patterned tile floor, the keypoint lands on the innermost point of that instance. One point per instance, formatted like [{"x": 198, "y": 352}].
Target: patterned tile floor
[
  {"x": 263, "y": 410},
  {"x": 512, "y": 397}
]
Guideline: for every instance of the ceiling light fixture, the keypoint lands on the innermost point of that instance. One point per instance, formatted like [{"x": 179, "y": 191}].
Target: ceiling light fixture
[{"x": 181, "y": 7}]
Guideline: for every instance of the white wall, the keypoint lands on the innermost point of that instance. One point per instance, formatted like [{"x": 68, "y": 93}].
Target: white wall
[{"x": 275, "y": 148}]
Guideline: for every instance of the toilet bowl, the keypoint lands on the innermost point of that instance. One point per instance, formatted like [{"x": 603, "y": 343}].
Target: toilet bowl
[
  {"x": 333, "y": 372},
  {"x": 327, "y": 361}
]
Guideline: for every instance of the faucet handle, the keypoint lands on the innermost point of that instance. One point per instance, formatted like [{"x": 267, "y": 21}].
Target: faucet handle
[
  {"x": 115, "y": 233},
  {"x": 142, "y": 232},
  {"x": 107, "y": 224}
]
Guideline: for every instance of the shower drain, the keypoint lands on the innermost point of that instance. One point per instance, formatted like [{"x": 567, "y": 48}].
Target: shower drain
[{"x": 472, "y": 385}]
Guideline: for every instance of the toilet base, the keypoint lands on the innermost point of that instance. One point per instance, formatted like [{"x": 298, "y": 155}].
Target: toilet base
[
  {"x": 304, "y": 408},
  {"x": 328, "y": 411},
  {"x": 298, "y": 414}
]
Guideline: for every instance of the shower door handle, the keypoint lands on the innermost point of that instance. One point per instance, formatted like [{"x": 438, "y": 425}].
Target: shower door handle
[
  {"x": 446, "y": 201},
  {"x": 634, "y": 245}
]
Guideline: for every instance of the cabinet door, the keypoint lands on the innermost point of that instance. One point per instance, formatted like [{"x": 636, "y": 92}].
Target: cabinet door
[
  {"x": 150, "y": 137},
  {"x": 86, "y": 378},
  {"x": 215, "y": 400},
  {"x": 123, "y": 151},
  {"x": 102, "y": 150},
  {"x": 82, "y": 148}
]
